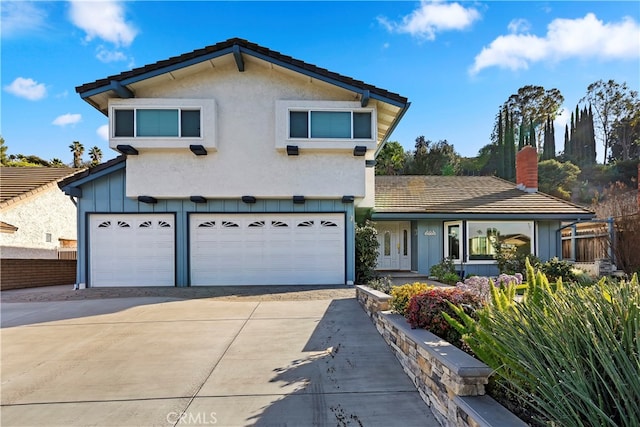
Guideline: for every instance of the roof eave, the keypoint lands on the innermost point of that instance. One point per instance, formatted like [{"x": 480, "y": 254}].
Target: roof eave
[
  {"x": 370, "y": 91},
  {"x": 400, "y": 215}
]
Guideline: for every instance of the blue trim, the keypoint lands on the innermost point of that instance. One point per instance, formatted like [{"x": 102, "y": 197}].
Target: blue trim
[
  {"x": 449, "y": 216},
  {"x": 236, "y": 50},
  {"x": 238, "y": 57},
  {"x": 93, "y": 176},
  {"x": 392, "y": 128},
  {"x": 159, "y": 71},
  {"x": 366, "y": 95},
  {"x": 120, "y": 90},
  {"x": 347, "y": 226},
  {"x": 88, "y": 241}
]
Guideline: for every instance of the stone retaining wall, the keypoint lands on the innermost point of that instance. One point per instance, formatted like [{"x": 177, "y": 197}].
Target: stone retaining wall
[{"x": 449, "y": 380}]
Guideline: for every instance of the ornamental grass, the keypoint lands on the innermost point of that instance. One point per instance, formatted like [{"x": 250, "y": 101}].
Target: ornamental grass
[{"x": 571, "y": 355}]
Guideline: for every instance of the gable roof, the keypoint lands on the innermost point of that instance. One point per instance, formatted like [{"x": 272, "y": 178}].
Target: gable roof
[
  {"x": 87, "y": 175},
  {"x": 467, "y": 197},
  {"x": 235, "y": 46},
  {"x": 125, "y": 84},
  {"x": 17, "y": 183}
]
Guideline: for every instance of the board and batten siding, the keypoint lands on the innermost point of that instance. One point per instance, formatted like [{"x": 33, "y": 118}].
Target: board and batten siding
[
  {"x": 106, "y": 194},
  {"x": 430, "y": 246}
]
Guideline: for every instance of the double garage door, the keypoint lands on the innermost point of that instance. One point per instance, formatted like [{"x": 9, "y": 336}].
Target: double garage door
[{"x": 224, "y": 249}]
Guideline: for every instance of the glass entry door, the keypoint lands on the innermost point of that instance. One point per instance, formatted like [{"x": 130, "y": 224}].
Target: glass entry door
[{"x": 394, "y": 252}]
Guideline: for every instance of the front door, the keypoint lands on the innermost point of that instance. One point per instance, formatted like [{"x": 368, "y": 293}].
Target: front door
[{"x": 394, "y": 252}]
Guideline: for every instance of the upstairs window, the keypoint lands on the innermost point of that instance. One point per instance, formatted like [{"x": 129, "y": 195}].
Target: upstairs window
[
  {"x": 157, "y": 122},
  {"x": 310, "y": 124}
]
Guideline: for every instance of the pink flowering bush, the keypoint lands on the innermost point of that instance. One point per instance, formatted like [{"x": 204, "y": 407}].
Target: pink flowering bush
[
  {"x": 479, "y": 285},
  {"x": 425, "y": 311}
]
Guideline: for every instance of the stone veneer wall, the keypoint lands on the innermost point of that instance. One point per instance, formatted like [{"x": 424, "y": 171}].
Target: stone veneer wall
[{"x": 449, "y": 380}]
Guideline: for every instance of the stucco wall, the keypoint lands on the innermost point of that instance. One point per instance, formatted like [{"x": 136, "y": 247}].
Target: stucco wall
[
  {"x": 247, "y": 161},
  {"x": 48, "y": 211}
]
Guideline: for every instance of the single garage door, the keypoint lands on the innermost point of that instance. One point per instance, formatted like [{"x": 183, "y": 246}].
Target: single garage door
[
  {"x": 132, "y": 250},
  {"x": 267, "y": 249}
]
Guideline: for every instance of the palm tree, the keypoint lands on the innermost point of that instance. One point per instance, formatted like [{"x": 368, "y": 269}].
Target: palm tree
[
  {"x": 57, "y": 163},
  {"x": 78, "y": 150},
  {"x": 96, "y": 156}
]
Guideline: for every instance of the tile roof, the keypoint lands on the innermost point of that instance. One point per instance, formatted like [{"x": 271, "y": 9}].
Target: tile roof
[
  {"x": 83, "y": 173},
  {"x": 20, "y": 182},
  {"x": 248, "y": 47},
  {"x": 464, "y": 195}
]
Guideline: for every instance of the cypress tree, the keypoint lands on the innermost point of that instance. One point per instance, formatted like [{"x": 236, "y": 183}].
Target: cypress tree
[
  {"x": 552, "y": 140},
  {"x": 499, "y": 151},
  {"x": 521, "y": 138},
  {"x": 532, "y": 135},
  {"x": 567, "y": 143}
]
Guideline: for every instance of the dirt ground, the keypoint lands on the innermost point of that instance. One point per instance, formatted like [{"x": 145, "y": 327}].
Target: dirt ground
[{"x": 239, "y": 293}]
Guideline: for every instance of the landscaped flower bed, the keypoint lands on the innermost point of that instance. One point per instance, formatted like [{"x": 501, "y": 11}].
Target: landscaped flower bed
[{"x": 562, "y": 355}]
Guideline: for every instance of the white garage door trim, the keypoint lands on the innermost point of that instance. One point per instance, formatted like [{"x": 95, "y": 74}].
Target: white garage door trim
[
  {"x": 267, "y": 249},
  {"x": 131, "y": 250}
]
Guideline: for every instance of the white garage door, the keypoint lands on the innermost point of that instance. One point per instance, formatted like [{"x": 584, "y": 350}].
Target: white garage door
[
  {"x": 267, "y": 249},
  {"x": 132, "y": 250}
]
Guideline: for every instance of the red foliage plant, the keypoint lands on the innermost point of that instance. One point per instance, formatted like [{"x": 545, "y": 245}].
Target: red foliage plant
[{"x": 425, "y": 311}]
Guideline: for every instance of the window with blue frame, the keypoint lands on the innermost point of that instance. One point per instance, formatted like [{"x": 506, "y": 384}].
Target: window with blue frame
[
  {"x": 311, "y": 124},
  {"x": 157, "y": 122}
]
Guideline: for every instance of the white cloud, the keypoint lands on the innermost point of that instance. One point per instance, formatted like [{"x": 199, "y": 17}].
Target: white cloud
[
  {"x": 27, "y": 88},
  {"x": 106, "y": 55},
  {"x": 21, "y": 17},
  {"x": 433, "y": 17},
  {"x": 586, "y": 37},
  {"x": 104, "y": 20},
  {"x": 519, "y": 26},
  {"x": 103, "y": 132},
  {"x": 67, "y": 119}
]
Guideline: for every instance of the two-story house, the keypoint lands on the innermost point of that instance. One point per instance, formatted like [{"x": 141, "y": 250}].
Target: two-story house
[
  {"x": 244, "y": 166},
  {"x": 240, "y": 166}
]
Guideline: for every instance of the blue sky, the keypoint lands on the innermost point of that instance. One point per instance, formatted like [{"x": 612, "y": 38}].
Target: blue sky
[{"x": 457, "y": 62}]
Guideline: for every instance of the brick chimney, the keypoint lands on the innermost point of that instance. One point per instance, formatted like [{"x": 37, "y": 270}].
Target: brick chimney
[{"x": 527, "y": 169}]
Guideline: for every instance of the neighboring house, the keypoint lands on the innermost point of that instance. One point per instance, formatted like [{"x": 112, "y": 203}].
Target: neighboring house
[
  {"x": 242, "y": 166},
  {"x": 423, "y": 219},
  {"x": 36, "y": 218}
]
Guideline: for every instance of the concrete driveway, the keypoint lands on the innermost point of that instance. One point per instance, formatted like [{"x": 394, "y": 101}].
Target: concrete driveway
[{"x": 169, "y": 361}]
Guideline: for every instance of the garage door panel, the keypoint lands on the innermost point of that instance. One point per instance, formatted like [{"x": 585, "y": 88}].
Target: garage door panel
[
  {"x": 132, "y": 250},
  {"x": 267, "y": 249}
]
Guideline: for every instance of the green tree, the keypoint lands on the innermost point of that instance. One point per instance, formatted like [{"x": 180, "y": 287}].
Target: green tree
[
  {"x": 3, "y": 152},
  {"x": 609, "y": 101},
  {"x": 549, "y": 147},
  {"x": 432, "y": 158},
  {"x": 536, "y": 104},
  {"x": 390, "y": 160},
  {"x": 77, "y": 149},
  {"x": 557, "y": 178},
  {"x": 57, "y": 163},
  {"x": 95, "y": 154},
  {"x": 625, "y": 141}
]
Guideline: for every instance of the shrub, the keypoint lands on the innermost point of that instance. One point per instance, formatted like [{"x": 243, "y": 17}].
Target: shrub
[
  {"x": 481, "y": 286},
  {"x": 425, "y": 311},
  {"x": 444, "y": 270},
  {"x": 400, "y": 295},
  {"x": 382, "y": 284},
  {"x": 366, "y": 252},
  {"x": 511, "y": 261},
  {"x": 572, "y": 356},
  {"x": 555, "y": 268}
]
